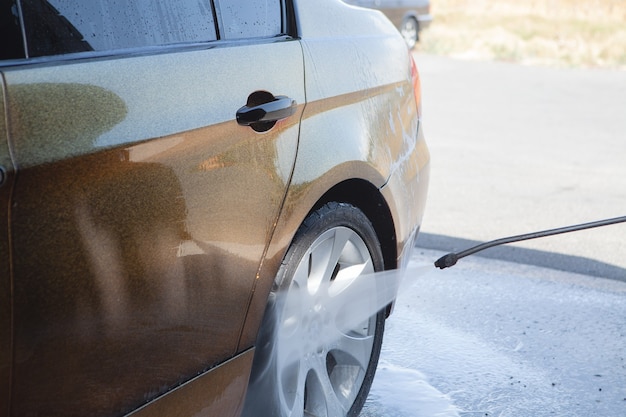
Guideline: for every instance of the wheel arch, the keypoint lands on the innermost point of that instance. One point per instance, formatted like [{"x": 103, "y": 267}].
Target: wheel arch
[
  {"x": 366, "y": 197},
  {"x": 411, "y": 15}
]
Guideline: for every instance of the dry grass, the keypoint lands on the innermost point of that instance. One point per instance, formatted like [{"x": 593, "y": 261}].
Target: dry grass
[{"x": 570, "y": 33}]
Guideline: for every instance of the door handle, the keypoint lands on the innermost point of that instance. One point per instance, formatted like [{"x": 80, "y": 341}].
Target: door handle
[{"x": 263, "y": 110}]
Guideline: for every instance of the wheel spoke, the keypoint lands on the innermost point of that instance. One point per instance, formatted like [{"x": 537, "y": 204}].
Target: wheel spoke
[
  {"x": 292, "y": 374},
  {"x": 321, "y": 395},
  {"x": 337, "y": 394},
  {"x": 315, "y": 404},
  {"x": 353, "y": 350},
  {"x": 340, "y": 240},
  {"x": 325, "y": 257},
  {"x": 292, "y": 312},
  {"x": 353, "y": 298},
  {"x": 298, "y": 406},
  {"x": 318, "y": 261},
  {"x": 347, "y": 279}
]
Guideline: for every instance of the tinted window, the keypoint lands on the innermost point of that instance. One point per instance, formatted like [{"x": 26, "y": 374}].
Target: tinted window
[
  {"x": 10, "y": 35},
  {"x": 250, "y": 18},
  {"x": 65, "y": 26}
]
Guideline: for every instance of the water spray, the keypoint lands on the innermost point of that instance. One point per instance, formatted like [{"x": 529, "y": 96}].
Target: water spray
[
  {"x": 451, "y": 259},
  {"x": 353, "y": 297}
]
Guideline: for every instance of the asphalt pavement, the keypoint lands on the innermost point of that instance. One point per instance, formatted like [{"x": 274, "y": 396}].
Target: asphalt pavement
[
  {"x": 493, "y": 338},
  {"x": 518, "y": 149}
]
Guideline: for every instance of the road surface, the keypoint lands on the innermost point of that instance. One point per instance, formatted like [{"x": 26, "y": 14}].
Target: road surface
[
  {"x": 498, "y": 339},
  {"x": 518, "y": 149}
]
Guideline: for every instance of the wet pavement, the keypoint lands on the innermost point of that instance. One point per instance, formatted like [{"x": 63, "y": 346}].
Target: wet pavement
[
  {"x": 517, "y": 149},
  {"x": 498, "y": 339}
]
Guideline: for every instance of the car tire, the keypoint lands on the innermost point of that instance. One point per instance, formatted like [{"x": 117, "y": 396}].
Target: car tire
[
  {"x": 310, "y": 361},
  {"x": 410, "y": 31}
]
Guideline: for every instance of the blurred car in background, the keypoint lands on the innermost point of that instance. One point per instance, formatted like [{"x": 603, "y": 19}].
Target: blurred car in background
[{"x": 409, "y": 16}]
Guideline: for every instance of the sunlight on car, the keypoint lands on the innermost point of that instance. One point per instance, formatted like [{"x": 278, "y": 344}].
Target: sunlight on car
[{"x": 190, "y": 194}]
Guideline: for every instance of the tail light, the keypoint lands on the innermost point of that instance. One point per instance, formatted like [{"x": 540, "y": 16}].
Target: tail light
[{"x": 417, "y": 89}]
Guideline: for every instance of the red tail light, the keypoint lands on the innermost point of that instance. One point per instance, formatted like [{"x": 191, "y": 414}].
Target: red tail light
[{"x": 417, "y": 89}]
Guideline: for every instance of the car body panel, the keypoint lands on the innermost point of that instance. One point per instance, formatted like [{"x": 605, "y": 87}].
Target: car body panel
[
  {"x": 406, "y": 193},
  {"x": 131, "y": 254},
  {"x": 148, "y": 226},
  {"x": 6, "y": 180},
  {"x": 370, "y": 113},
  {"x": 216, "y": 393}
]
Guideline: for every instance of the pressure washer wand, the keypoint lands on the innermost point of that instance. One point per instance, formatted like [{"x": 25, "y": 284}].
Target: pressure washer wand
[{"x": 452, "y": 258}]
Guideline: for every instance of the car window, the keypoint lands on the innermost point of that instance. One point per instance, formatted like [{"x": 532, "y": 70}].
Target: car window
[
  {"x": 12, "y": 44},
  {"x": 249, "y": 18},
  {"x": 64, "y": 26}
]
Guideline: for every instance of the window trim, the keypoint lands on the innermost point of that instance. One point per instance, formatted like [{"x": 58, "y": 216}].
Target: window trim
[
  {"x": 290, "y": 22},
  {"x": 138, "y": 52},
  {"x": 288, "y": 32},
  {"x": 22, "y": 27}
]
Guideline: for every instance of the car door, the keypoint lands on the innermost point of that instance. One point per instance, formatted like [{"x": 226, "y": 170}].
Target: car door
[
  {"x": 142, "y": 208},
  {"x": 6, "y": 180}
]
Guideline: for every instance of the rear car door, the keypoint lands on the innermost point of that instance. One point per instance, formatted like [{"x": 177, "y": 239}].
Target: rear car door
[
  {"x": 6, "y": 179},
  {"x": 142, "y": 209}
]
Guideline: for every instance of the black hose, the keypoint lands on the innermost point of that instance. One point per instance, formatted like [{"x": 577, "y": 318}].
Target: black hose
[{"x": 452, "y": 258}]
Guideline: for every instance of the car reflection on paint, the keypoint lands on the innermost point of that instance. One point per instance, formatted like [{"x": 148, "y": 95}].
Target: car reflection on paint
[
  {"x": 409, "y": 16},
  {"x": 180, "y": 206}
]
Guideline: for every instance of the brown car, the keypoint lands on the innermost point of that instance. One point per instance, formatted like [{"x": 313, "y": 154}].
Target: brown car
[{"x": 189, "y": 192}]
